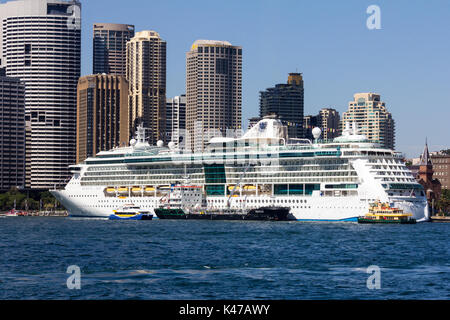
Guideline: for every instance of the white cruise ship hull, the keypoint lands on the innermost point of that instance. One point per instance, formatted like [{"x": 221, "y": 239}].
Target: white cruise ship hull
[{"x": 310, "y": 208}]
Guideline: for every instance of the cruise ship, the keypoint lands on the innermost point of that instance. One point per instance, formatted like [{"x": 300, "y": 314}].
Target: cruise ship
[{"x": 319, "y": 180}]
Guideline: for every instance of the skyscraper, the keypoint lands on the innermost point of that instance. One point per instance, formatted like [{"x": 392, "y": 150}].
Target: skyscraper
[
  {"x": 175, "y": 118},
  {"x": 110, "y": 47},
  {"x": 287, "y": 102},
  {"x": 102, "y": 114},
  {"x": 372, "y": 117},
  {"x": 146, "y": 75},
  {"x": 41, "y": 45},
  {"x": 213, "y": 91},
  {"x": 12, "y": 133}
]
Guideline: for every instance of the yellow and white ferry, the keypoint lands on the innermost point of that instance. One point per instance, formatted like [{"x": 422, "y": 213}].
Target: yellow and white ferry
[{"x": 382, "y": 213}]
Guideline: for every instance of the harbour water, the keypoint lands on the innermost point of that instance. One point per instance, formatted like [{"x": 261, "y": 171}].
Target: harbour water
[{"x": 167, "y": 259}]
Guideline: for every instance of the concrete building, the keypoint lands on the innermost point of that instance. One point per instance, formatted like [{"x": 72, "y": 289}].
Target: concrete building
[
  {"x": 329, "y": 123},
  {"x": 213, "y": 91},
  {"x": 41, "y": 45},
  {"x": 372, "y": 117},
  {"x": 12, "y": 133},
  {"x": 102, "y": 114},
  {"x": 110, "y": 47},
  {"x": 287, "y": 102},
  {"x": 175, "y": 119},
  {"x": 146, "y": 75}
]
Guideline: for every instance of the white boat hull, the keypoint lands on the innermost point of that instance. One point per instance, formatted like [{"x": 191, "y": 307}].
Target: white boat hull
[{"x": 93, "y": 203}]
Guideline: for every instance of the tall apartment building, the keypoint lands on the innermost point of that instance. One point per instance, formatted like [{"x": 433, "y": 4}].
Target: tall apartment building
[
  {"x": 110, "y": 47},
  {"x": 175, "y": 119},
  {"x": 146, "y": 75},
  {"x": 213, "y": 91},
  {"x": 41, "y": 45},
  {"x": 329, "y": 123},
  {"x": 287, "y": 102},
  {"x": 102, "y": 114},
  {"x": 12, "y": 133},
  {"x": 372, "y": 117}
]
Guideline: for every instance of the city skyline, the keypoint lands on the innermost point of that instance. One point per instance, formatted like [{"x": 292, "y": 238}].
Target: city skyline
[{"x": 328, "y": 42}]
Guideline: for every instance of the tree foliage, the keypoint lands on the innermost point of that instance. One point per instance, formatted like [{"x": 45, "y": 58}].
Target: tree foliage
[{"x": 23, "y": 199}]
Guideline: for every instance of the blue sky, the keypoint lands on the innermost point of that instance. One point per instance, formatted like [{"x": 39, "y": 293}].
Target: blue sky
[{"x": 407, "y": 61}]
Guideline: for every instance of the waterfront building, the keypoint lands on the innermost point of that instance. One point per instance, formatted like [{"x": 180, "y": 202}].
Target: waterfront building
[
  {"x": 12, "y": 133},
  {"x": 110, "y": 47},
  {"x": 41, "y": 45},
  {"x": 146, "y": 75},
  {"x": 441, "y": 168},
  {"x": 431, "y": 185},
  {"x": 102, "y": 114},
  {"x": 372, "y": 118},
  {"x": 287, "y": 102},
  {"x": 175, "y": 118},
  {"x": 213, "y": 91}
]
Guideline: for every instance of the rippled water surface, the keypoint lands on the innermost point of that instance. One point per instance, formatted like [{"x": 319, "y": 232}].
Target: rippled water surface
[{"x": 163, "y": 259}]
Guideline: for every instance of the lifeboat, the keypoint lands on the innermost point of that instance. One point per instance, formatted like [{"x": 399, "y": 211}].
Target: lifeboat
[
  {"x": 136, "y": 189},
  {"x": 110, "y": 190},
  {"x": 122, "y": 190},
  {"x": 249, "y": 188},
  {"x": 230, "y": 188}
]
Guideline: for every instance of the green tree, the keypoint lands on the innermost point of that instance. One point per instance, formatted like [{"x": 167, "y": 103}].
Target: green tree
[{"x": 443, "y": 203}]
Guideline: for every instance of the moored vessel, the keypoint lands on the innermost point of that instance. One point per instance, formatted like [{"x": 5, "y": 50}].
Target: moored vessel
[
  {"x": 131, "y": 212},
  {"x": 259, "y": 214},
  {"x": 383, "y": 213},
  {"x": 318, "y": 180}
]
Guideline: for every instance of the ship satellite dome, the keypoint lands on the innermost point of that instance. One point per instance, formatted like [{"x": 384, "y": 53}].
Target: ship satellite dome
[
  {"x": 160, "y": 143},
  {"x": 133, "y": 142},
  {"x": 316, "y": 132},
  {"x": 171, "y": 145}
]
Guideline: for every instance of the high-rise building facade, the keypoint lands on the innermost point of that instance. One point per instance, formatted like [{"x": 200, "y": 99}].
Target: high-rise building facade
[
  {"x": 372, "y": 118},
  {"x": 12, "y": 133},
  {"x": 175, "y": 118},
  {"x": 213, "y": 91},
  {"x": 110, "y": 47},
  {"x": 329, "y": 123},
  {"x": 287, "y": 102},
  {"x": 102, "y": 114},
  {"x": 146, "y": 75},
  {"x": 41, "y": 45}
]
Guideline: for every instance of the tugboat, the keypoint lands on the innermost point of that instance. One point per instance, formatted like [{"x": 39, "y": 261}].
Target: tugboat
[
  {"x": 382, "y": 213},
  {"x": 130, "y": 212}
]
